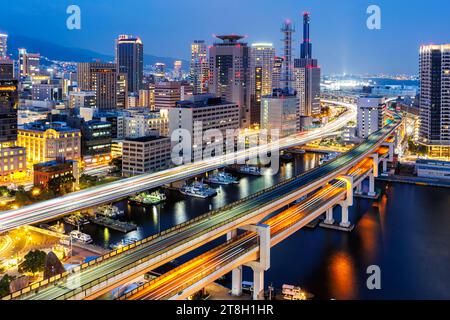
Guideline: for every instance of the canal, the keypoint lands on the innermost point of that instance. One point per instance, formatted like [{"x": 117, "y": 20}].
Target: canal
[{"x": 406, "y": 233}]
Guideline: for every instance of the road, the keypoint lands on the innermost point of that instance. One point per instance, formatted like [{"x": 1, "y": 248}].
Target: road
[
  {"x": 95, "y": 196},
  {"x": 194, "y": 230}
]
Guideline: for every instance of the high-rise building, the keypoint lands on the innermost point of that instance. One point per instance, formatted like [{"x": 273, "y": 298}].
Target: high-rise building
[
  {"x": 3, "y": 45},
  {"x": 205, "y": 109},
  {"x": 160, "y": 72},
  {"x": 102, "y": 79},
  {"x": 177, "y": 72},
  {"x": 371, "y": 110},
  {"x": 280, "y": 109},
  {"x": 130, "y": 60},
  {"x": 82, "y": 99},
  {"x": 122, "y": 91},
  {"x": 262, "y": 57},
  {"x": 199, "y": 68},
  {"x": 307, "y": 75},
  {"x": 276, "y": 73},
  {"x": 229, "y": 73},
  {"x": 435, "y": 99},
  {"x": 9, "y": 101},
  {"x": 167, "y": 94},
  {"x": 29, "y": 63},
  {"x": 6, "y": 69}
]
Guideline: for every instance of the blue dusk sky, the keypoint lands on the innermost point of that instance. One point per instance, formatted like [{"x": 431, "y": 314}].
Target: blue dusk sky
[{"x": 339, "y": 34}]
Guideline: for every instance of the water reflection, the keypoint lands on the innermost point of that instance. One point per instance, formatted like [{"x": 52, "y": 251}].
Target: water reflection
[{"x": 341, "y": 276}]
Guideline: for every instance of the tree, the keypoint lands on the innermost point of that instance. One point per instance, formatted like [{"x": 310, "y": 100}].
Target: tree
[
  {"x": 116, "y": 164},
  {"x": 87, "y": 181},
  {"x": 34, "y": 262},
  {"x": 61, "y": 184},
  {"x": 4, "y": 284}
]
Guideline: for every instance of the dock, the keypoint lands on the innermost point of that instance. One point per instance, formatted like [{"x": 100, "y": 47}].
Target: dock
[{"x": 113, "y": 224}]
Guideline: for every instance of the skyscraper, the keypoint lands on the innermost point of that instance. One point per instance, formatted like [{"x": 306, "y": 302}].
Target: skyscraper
[
  {"x": 435, "y": 99},
  {"x": 6, "y": 69},
  {"x": 3, "y": 45},
  {"x": 199, "y": 67},
  {"x": 160, "y": 72},
  {"x": 102, "y": 79},
  {"x": 229, "y": 73},
  {"x": 9, "y": 101},
  {"x": 262, "y": 56},
  {"x": 122, "y": 91},
  {"x": 130, "y": 60},
  {"x": 177, "y": 73},
  {"x": 276, "y": 73},
  {"x": 280, "y": 109},
  {"x": 307, "y": 75}
]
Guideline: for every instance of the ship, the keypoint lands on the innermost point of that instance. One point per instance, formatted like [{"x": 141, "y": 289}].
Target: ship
[
  {"x": 145, "y": 198},
  {"x": 222, "y": 178},
  {"x": 291, "y": 292},
  {"x": 251, "y": 170},
  {"x": 109, "y": 211},
  {"x": 76, "y": 220},
  {"x": 198, "y": 190},
  {"x": 80, "y": 236}
]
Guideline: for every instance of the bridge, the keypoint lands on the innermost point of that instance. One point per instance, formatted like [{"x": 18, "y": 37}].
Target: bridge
[
  {"x": 77, "y": 201},
  {"x": 91, "y": 280}
]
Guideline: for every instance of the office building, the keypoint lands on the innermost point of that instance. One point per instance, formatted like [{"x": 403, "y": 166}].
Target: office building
[
  {"x": 160, "y": 72},
  {"x": 434, "y": 130},
  {"x": 9, "y": 102},
  {"x": 229, "y": 73},
  {"x": 3, "y": 46},
  {"x": 145, "y": 155},
  {"x": 262, "y": 56},
  {"x": 167, "y": 94},
  {"x": 29, "y": 63},
  {"x": 130, "y": 60},
  {"x": 307, "y": 74},
  {"x": 199, "y": 67},
  {"x": 122, "y": 91},
  {"x": 279, "y": 111},
  {"x": 46, "y": 141},
  {"x": 177, "y": 70},
  {"x": 102, "y": 79},
  {"x": 6, "y": 69},
  {"x": 433, "y": 169},
  {"x": 82, "y": 99},
  {"x": 371, "y": 112},
  {"x": 60, "y": 168},
  {"x": 47, "y": 92},
  {"x": 13, "y": 164},
  {"x": 276, "y": 73},
  {"x": 142, "y": 122},
  {"x": 209, "y": 111}
]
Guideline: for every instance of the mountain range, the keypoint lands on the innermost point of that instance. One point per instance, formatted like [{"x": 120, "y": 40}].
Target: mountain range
[{"x": 61, "y": 53}]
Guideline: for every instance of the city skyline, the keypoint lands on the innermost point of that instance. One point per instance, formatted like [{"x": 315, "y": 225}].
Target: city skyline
[{"x": 375, "y": 51}]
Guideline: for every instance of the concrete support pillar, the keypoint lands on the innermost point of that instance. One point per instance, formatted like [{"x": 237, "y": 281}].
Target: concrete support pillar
[
  {"x": 349, "y": 185},
  {"x": 236, "y": 286},
  {"x": 376, "y": 162},
  {"x": 384, "y": 165},
  {"x": 359, "y": 188},
  {"x": 232, "y": 234},
  {"x": 329, "y": 216},
  {"x": 258, "y": 283},
  {"x": 371, "y": 192},
  {"x": 344, "y": 221}
]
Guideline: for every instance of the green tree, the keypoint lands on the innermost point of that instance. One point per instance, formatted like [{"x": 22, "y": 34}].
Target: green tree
[
  {"x": 62, "y": 184},
  {"x": 87, "y": 181},
  {"x": 34, "y": 261},
  {"x": 22, "y": 196},
  {"x": 4, "y": 284},
  {"x": 116, "y": 164}
]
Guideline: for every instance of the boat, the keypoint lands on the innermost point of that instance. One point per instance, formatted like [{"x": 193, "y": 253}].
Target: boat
[
  {"x": 109, "y": 211},
  {"x": 123, "y": 243},
  {"x": 252, "y": 170},
  {"x": 222, "y": 178},
  {"x": 58, "y": 228},
  {"x": 198, "y": 190},
  {"x": 80, "y": 236},
  {"x": 145, "y": 198},
  {"x": 328, "y": 157},
  {"x": 76, "y": 220},
  {"x": 291, "y": 292},
  {"x": 286, "y": 156}
]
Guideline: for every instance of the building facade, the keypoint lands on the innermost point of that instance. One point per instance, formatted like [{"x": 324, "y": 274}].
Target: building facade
[
  {"x": 45, "y": 141},
  {"x": 130, "y": 60},
  {"x": 199, "y": 67},
  {"x": 435, "y": 99},
  {"x": 100, "y": 78},
  {"x": 229, "y": 64},
  {"x": 145, "y": 155},
  {"x": 371, "y": 111}
]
